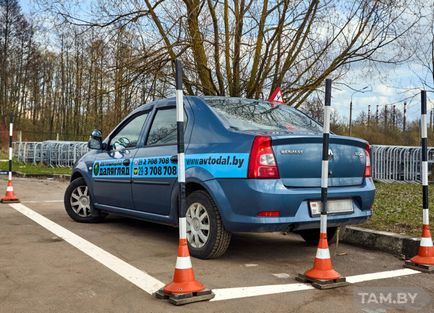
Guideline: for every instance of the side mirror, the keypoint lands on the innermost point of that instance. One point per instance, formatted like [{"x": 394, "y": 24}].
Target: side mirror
[{"x": 95, "y": 141}]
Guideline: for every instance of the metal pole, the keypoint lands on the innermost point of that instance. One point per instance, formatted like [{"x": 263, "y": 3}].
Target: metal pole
[
  {"x": 424, "y": 174},
  {"x": 405, "y": 116},
  {"x": 369, "y": 114},
  {"x": 351, "y": 114},
  {"x": 393, "y": 115},
  {"x": 430, "y": 120},
  {"x": 376, "y": 115},
  {"x": 181, "y": 156},
  {"x": 11, "y": 130},
  {"x": 325, "y": 157},
  {"x": 385, "y": 116}
]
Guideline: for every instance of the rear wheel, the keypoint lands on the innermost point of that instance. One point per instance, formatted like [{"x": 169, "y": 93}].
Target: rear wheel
[
  {"x": 311, "y": 236},
  {"x": 78, "y": 203},
  {"x": 207, "y": 237}
]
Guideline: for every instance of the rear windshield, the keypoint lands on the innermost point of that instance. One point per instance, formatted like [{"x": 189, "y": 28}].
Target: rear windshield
[{"x": 259, "y": 115}]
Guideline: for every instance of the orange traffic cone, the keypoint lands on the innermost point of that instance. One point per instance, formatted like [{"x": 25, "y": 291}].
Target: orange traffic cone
[
  {"x": 10, "y": 195},
  {"x": 322, "y": 275},
  {"x": 184, "y": 288},
  {"x": 183, "y": 278},
  {"x": 322, "y": 266},
  {"x": 424, "y": 260}
]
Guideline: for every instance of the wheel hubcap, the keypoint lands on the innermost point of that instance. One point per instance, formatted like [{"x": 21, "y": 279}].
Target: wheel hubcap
[
  {"x": 80, "y": 201},
  {"x": 197, "y": 225}
]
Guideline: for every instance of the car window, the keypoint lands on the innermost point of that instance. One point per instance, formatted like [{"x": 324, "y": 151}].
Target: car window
[
  {"x": 258, "y": 115},
  {"x": 129, "y": 135},
  {"x": 163, "y": 129}
]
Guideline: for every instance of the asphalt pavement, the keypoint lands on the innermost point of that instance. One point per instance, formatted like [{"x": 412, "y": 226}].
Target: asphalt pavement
[{"x": 42, "y": 272}]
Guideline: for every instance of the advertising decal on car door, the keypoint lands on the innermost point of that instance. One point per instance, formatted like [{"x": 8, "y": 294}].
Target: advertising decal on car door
[
  {"x": 112, "y": 168},
  {"x": 220, "y": 165}
]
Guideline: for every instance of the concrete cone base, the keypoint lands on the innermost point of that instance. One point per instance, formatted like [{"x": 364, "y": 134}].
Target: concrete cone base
[{"x": 185, "y": 298}]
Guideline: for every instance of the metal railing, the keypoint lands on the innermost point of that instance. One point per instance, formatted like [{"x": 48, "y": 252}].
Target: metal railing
[
  {"x": 398, "y": 163},
  {"x": 389, "y": 163},
  {"x": 52, "y": 153}
]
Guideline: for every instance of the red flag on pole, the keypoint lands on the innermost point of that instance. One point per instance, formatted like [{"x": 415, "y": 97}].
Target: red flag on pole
[{"x": 277, "y": 96}]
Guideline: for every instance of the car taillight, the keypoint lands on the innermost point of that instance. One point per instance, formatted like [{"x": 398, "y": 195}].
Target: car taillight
[
  {"x": 268, "y": 214},
  {"x": 368, "y": 168},
  {"x": 262, "y": 163}
]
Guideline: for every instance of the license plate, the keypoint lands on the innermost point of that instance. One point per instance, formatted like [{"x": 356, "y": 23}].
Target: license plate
[{"x": 333, "y": 206}]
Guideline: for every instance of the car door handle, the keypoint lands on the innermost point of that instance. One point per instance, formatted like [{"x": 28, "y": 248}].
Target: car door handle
[{"x": 174, "y": 158}]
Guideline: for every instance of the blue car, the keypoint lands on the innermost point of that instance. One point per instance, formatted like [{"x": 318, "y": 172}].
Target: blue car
[{"x": 250, "y": 167}]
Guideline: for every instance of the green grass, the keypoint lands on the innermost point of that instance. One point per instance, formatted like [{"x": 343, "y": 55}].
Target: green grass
[
  {"x": 398, "y": 208},
  {"x": 34, "y": 169}
]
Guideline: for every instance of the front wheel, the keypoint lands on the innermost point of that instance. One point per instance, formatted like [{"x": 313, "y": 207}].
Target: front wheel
[
  {"x": 311, "y": 236},
  {"x": 78, "y": 203},
  {"x": 206, "y": 235}
]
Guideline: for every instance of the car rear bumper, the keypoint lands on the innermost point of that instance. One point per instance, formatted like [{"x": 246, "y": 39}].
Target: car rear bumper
[{"x": 239, "y": 201}]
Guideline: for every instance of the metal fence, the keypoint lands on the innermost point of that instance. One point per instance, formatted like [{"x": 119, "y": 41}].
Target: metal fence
[
  {"x": 398, "y": 163},
  {"x": 389, "y": 163},
  {"x": 52, "y": 153}
]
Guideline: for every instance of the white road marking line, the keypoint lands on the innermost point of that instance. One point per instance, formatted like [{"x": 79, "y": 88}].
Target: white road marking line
[
  {"x": 381, "y": 275},
  {"x": 137, "y": 277},
  {"x": 43, "y": 201},
  {"x": 150, "y": 284},
  {"x": 250, "y": 265},
  {"x": 244, "y": 292},
  {"x": 281, "y": 275}
]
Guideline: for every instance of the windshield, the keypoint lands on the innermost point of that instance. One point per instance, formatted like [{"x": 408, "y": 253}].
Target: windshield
[{"x": 259, "y": 115}]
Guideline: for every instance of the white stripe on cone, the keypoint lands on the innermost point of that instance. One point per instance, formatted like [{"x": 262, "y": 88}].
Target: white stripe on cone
[
  {"x": 183, "y": 263},
  {"x": 426, "y": 242},
  {"x": 9, "y": 188},
  {"x": 322, "y": 253}
]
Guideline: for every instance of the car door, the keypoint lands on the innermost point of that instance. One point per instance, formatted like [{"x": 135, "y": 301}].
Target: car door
[
  {"x": 155, "y": 164},
  {"x": 111, "y": 171}
]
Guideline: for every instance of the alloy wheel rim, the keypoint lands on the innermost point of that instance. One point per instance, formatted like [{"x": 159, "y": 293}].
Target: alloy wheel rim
[
  {"x": 198, "y": 225},
  {"x": 80, "y": 201}
]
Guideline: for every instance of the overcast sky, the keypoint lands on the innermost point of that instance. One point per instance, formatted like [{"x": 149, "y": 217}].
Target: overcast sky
[{"x": 389, "y": 84}]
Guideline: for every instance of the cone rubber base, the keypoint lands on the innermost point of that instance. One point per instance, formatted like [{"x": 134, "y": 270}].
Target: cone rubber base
[
  {"x": 10, "y": 200},
  {"x": 419, "y": 267},
  {"x": 323, "y": 284},
  {"x": 185, "y": 298}
]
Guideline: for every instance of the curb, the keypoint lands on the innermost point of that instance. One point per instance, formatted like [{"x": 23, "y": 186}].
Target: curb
[
  {"x": 396, "y": 244},
  {"x": 52, "y": 176}
]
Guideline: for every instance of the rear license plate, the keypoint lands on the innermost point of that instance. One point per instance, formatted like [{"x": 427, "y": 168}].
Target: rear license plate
[{"x": 333, "y": 206}]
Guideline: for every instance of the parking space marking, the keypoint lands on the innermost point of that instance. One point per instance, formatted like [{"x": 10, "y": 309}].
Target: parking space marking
[
  {"x": 150, "y": 284},
  {"x": 254, "y": 291},
  {"x": 381, "y": 275},
  {"x": 137, "y": 277},
  {"x": 244, "y": 292}
]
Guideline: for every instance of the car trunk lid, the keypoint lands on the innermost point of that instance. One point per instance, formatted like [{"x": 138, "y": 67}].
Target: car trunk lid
[{"x": 299, "y": 160}]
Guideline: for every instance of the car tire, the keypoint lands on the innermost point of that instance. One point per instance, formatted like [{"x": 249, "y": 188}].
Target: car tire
[
  {"x": 78, "y": 203},
  {"x": 311, "y": 236},
  {"x": 200, "y": 204}
]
